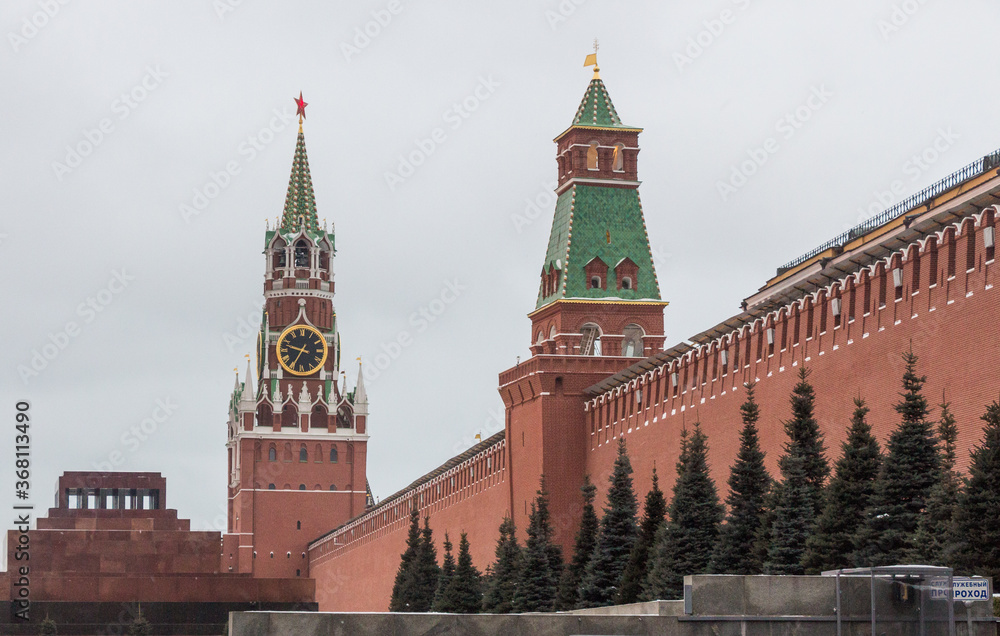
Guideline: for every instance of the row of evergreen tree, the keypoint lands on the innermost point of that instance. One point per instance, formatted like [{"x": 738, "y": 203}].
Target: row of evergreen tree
[{"x": 907, "y": 504}]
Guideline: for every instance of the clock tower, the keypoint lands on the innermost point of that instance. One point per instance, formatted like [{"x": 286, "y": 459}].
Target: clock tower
[{"x": 297, "y": 438}]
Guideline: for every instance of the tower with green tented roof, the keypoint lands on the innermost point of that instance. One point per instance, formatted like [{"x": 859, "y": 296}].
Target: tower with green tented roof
[
  {"x": 297, "y": 437},
  {"x": 598, "y": 293}
]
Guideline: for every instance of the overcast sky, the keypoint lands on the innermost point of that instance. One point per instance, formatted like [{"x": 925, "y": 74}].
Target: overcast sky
[{"x": 146, "y": 143}]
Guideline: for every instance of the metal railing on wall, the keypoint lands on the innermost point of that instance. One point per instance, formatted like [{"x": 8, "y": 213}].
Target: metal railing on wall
[{"x": 974, "y": 169}]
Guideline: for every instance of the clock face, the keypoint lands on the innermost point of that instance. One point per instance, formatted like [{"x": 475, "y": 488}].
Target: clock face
[{"x": 301, "y": 350}]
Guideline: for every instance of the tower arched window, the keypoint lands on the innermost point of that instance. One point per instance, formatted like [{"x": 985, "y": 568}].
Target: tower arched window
[
  {"x": 302, "y": 254},
  {"x": 344, "y": 417},
  {"x": 289, "y": 415},
  {"x": 618, "y": 159},
  {"x": 272, "y": 454},
  {"x": 302, "y": 486},
  {"x": 319, "y": 417},
  {"x": 627, "y": 273},
  {"x": 590, "y": 341},
  {"x": 270, "y": 486},
  {"x": 279, "y": 254},
  {"x": 333, "y": 455},
  {"x": 592, "y": 156},
  {"x": 596, "y": 272},
  {"x": 265, "y": 416},
  {"x": 333, "y": 486},
  {"x": 632, "y": 342},
  {"x": 303, "y": 454}
]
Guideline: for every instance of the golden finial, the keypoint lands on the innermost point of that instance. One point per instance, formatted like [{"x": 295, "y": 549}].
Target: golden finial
[{"x": 592, "y": 60}]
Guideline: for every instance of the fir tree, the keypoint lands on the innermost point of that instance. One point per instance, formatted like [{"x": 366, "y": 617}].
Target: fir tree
[
  {"x": 615, "y": 537},
  {"x": 426, "y": 571},
  {"x": 762, "y": 541},
  {"x": 803, "y": 470},
  {"x": 685, "y": 544},
  {"x": 568, "y": 595},
  {"x": 793, "y": 518},
  {"x": 463, "y": 595},
  {"x": 908, "y": 473},
  {"x": 847, "y": 497},
  {"x": 502, "y": 576},
  {"x": 807, "y": 440},
  {"x": 542, "y": 562},
  {"x": 937, "y": 541},
  {"x": 979, "y": 517},
  {"x": 654, "y": 512},
  {"x": 140, "y": 626},
  {"x": 441, "y": 602},
  {"x": 403, "y": 588},
  {"x": 501, "y": 582},
  {"x": 749, "y": 483}
]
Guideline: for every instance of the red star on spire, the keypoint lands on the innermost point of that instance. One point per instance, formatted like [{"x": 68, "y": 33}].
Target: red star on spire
[{"x": 301, "y": 103}]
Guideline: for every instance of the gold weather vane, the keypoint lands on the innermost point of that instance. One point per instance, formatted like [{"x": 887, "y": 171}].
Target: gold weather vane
[
  {"x": 592, "y": 60},
  {"x": 301, "y": 112}
]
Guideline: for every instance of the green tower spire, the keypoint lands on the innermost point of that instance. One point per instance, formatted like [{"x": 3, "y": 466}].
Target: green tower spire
[
  {"x": 300, "y": 202},
  {"x": 598, "y": 247},
  {"x": 596, "y": 108}
]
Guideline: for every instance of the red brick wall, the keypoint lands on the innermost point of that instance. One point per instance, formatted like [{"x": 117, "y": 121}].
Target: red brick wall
[
  {"x": 354, "y": 567},
  {"x": 950, "y": 322},
  {"x": 950, "y": 325}
]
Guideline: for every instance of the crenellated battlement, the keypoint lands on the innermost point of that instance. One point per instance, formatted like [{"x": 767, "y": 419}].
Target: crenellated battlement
[
  {"x": 931, "y": 273},
  {"x": 482, "y": 466}
]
